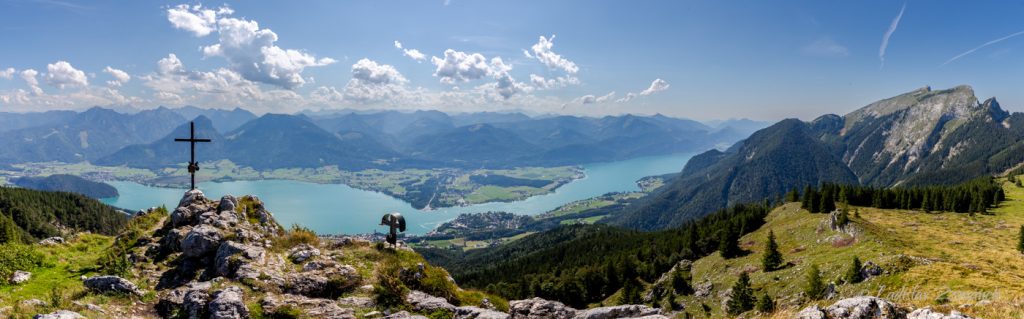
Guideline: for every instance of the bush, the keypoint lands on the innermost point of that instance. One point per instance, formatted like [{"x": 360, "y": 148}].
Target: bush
[
  {"x": 814, "y": 287},
  {"x": 389, "y": 288},
  {"x": 742, "y": 296},
  {"x": 765, "y": 304},
  {"x": 853, "y": 273},
  {"x": 297, "y": 235},
  {"x": 286, "y": 312},
  {"x": 15, "y": 257}
]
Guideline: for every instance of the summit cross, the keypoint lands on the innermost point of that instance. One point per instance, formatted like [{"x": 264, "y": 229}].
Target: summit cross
[{"x": 193, "y": 166}]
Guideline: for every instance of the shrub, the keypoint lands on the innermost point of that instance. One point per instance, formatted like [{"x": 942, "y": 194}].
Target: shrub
[
  {"x": 286, "y": 312},
  {"x": 814, "y": 287},
  {"x": 853, "y": 273},
  {"x": 295, "y": 236},
  {"x": 15, "y": 257},
  {"x": 742, "y": 296},
  {"x": 765, "y": 304},
  {"x": 389, "y": 288}
]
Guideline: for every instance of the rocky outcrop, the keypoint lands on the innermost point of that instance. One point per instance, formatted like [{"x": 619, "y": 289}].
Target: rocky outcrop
[
  {"x": 404, "y": 315},
  {"x": 624, "y": 311},
  {"x": 855, "y": 308},
  {"x": 61, "y": 314},
  {"x": 19, "y": 277},
  {"x": 175, "y": 299},
  {"x": 928, "y": 313},
  {"x": 200, "y": 241},
  {"x": 478, "y": 313},
  {"x": 111, "y": 284},
  {"x": 52, "y": 241},
  {"x": 537, "y": 308},
  {"x": 422, "y": 302},
  {"x": 228, "y": 304},
  {"x": 302, "y": 253},
  {"x": 313, "y": 308},
  {"x": 870, "y": 269}
]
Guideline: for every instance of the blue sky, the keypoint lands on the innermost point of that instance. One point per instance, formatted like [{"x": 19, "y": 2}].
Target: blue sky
[{"x": 698, "y": 59}]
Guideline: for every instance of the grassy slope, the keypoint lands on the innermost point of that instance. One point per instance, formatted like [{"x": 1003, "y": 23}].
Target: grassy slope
[{"x": 954, "y": 253}]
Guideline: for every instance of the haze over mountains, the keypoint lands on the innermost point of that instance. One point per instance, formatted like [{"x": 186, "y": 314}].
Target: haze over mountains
[
  {"x": 384, "y": 139},
  {"x": 917, "y": 138}
]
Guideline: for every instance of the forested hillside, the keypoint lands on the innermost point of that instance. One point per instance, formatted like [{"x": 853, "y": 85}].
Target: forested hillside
[
  {"x": 28, "y": 215},
  {"x": 68, "y": 183}
]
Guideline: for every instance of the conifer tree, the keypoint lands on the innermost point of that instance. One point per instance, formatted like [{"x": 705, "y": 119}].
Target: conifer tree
[
  {"x": 853, "y": 274},
  {"x": 843, "y": 218},
  {"x": 828, "y": 203},
  {"x": 742, "y": 296},
  {"x": 814, "y": 287},
  {"x": 807, "y": 198},
  {"x": 728, "y": 244},
  {"x": 680, "y": 284},
  {"x": 772, "y": 258},
  {"x": 792, "y": 196},
  {"x": 1019, "y": 184},
  {"x": 765, "y": 304},
  {"x": 8, "y": 230}
]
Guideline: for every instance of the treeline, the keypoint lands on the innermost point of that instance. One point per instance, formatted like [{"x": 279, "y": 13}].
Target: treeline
[
  {"x": 584, "y": 264},
  {"x": 27, "y": 215},
  {"x": 975, "y": 196}
]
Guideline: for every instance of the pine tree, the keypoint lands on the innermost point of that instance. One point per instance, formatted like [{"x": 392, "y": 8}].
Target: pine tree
[
  {"x": 8, "y": 230},
  {"x": 814, "y": 287},
  {"x": 742, "y": 296},
  {"x": 828, "y": 203},
  {"x": 728, "y": 244},
  {"x": 680, "y": 284},
  {"x": 815, "y": 203},
  {"x": 772, "y": 258},
  {"x": 765, "y": 304},
  {"x": 807, "y": 198},
  {"x": 1020, "y": 242},
  {"x": 853, "y": 274},
  {"x": 843, "y": 218},
  {"x": 793, "y": 195},
  {"x": 630, "y": 292}
]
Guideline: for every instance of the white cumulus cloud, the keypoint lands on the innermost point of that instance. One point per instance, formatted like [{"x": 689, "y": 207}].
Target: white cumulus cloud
[
  {"x": 62, "y": 74},
  {"x": 249, "y": 50},
  {"x": 371, "y": 82},
  {"x": 29, "y": 76},
  {"x": 411, "y": 53},
  {"x": 657, "y": 86},
  {"x": 629, "y": 97},
  {"x": 7, "y": 73},
  {"x": 542, "y": 52},
  {"x": 120, "y": 77}
]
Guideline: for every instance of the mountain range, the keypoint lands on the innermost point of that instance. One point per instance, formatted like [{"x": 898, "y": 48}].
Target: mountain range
[
  {"x": 921, "y": 137},
  {"x": 385, "y": 139}
]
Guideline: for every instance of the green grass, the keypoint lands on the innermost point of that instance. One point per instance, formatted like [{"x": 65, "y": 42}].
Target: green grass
[{"x": 966, "y": 255}]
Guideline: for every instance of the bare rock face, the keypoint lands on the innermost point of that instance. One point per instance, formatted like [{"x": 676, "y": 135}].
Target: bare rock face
[
  {"x": 194, "y": 304},
  {"x": 703, "y": 290},
  {"x": 322, "y": 283},
  {"x": 174, "y": 299},
  {"x": 624, "y": 311},
  {"x": 20, "y": 277},
  {"x": 61, "y": 314},
  {"x": 314, "y": 308},
  {"x": 228, "y": 304},
  {"x": 111, "y": 284},
  {"x": 302, "y": 252},
  {"x": 927, "y": 313},
  {"x": 235, "y": 260},
  {"x": 537, "y": 308},
  {"x": 855, "y": 308},
  {"x": 422, "y": 302},
  {"x": 201, "y": 241},
  {"x": 52, "y": 241},
  {"x": 227, "y": 203},
  {"x": 191, "y": 197},
  {"x": 478, "y": 313}
]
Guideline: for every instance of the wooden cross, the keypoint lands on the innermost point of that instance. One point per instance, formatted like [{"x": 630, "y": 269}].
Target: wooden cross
[{"x": 193, "y": 166}]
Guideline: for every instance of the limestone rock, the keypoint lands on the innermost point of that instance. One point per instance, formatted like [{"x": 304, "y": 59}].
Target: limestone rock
[
  {"x": 111, "y": 284},
  {"x": 302, "y": 252},
  {"x": 200, "y": 241},
  {"x": 854, "y": 308},
  {"x": 357, "y": 302},
  {"x": 60, "y": 314},
  {"x": 703, "y": 290},
  {"x": 19, "y": 277},
  {"x": 870, "y": 269},
  {"x": 830, "y": 291},
  {"x": 927, "y": 313},
  {"x": 623, "y": 311},
  {"x": 174, "y": 299},
  {"x": 194, "y": 304},
  {"x": 538, "y": 308},
  {"x": 478, "y": 313},
  {"x": 190, "y": 197},
  {"x": 228, "y": 304},
  {"x": 33, "y": 303},
  {"x": 233, "y": 260},
  {"x": 404, "y": 315},
  {"x": 422, "y": 302},
  {"x": 52, "y": 241},
  {"x": 227, "y": 203},
  {"x": 311, "y": 307}
]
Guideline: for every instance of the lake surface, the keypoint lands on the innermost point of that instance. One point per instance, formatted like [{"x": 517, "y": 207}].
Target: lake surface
[{"x": 338, "y": 208}]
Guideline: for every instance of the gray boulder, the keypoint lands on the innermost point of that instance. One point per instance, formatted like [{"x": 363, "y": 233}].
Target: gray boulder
[
  {"x": 19, "y": 277},
  {"x": 174, "y": 299},
  {"x": 111, "y": 284},
  {"x": 228, "y": 304},
  {"x": 302, "y": 252},
  {"x": 194, "y": 303},
  {"x": 183, "y": 216},
  {"x": 311, "y": 307},
  {"x": 171, "y": 242},
  {"x": 227, "y": 203},
  {"x": 191, "y": 196},
  {"x": 927, "y": 313},
  {"x": 422, "y": 302},
  {"x": 703, "y": 290},
  {"x": 537, "y": 308},
  {"x": 60, "y": 314},
  {"x": 404, "y": 315},
  {"x": 478, "y": 313},
  {"x": 200, "y": 241},
  {"x": 357, "y": 302},
  {"x": 52, "y": 241},
  {"x": 623, "y": 311},
  {"x": 870, "y": 269},
  {"x": 854, "y": 308},
  {"x": 233, "y": 260}
]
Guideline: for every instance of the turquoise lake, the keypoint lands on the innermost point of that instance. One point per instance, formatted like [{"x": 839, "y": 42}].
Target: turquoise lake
[{"x": 340, "y": 209}]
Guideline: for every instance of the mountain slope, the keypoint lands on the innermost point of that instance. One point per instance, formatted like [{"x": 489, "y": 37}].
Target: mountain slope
[
  {"x": 767, "y": 165},
  {"x": 41, "y": 214},
  {"x": 68, "y": 183},
  {"x": 166, "y": 152},
  {"x": 223, "y": 120}
]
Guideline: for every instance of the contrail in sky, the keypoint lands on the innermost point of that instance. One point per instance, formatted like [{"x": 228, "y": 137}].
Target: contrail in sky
[
  {"x": 888, "y": 33},
  {"x": 981, "y": 46}
]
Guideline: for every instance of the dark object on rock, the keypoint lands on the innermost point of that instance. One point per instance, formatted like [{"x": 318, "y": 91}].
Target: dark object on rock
[
  {"x": 111, "y": 284},
  {"x": 396, "y": 223}
]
